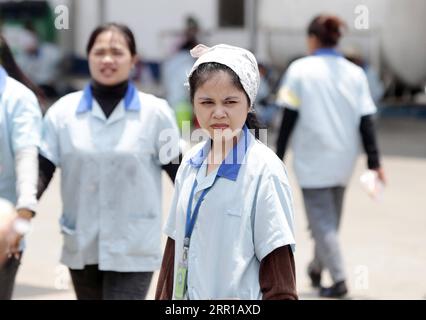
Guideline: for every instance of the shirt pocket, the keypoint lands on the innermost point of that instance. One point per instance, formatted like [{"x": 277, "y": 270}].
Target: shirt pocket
[
  {"x": 143, "y": 214},
  {"x": 70, "y": 234},
  {"x": 235, "y": 212}
]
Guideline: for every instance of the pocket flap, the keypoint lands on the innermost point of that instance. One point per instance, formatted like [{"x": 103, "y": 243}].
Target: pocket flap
[{"x": 234, "y": 212}]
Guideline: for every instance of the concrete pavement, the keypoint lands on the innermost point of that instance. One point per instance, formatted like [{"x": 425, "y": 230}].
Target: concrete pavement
[{"x": 383, "y": 242}]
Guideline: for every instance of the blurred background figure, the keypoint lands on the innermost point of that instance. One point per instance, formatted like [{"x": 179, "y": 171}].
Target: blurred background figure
[
  {"x": 28, "y": 28},
  {"x": 327, "y": 103},
  {"x": 42, "y": 62},
  {"x": 265, "y": 107},
  {"x": 175, "y": 70},
  {"x": 107, "y": 138}
]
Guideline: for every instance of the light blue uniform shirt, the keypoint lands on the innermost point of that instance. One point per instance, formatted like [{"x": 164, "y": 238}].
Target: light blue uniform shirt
[
  {"x": 331, "y": 95},
  {"x": 111, "y": 178},
  {"x": 20, "y": 127},
  {"x": 247, "y": 213}
]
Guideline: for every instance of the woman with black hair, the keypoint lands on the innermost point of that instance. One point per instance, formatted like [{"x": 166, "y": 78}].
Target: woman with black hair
[
  {"x": 111, "y": 142},
  {"x": 328, "y": 105},
  {"x": 20, "y": 132},
  {"x": 230, "y": 227}
]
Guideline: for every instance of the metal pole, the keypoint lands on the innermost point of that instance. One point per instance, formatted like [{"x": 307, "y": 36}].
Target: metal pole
[
  {"x": 102, "y": 11},
  {"x": 253, "y": 6},
  {"x": 73, "y": 22}
]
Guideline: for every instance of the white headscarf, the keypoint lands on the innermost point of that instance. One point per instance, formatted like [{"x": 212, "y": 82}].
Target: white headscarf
[{"x": 240, "y": 60}]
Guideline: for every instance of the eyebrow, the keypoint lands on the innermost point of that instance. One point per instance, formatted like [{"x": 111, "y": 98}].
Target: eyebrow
[
  {"x": 227, "y": 98},
  {"x": 108, "y": 48}
]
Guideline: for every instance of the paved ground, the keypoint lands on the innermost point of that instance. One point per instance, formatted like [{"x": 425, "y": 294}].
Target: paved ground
[{"x": 384, "y": 242}]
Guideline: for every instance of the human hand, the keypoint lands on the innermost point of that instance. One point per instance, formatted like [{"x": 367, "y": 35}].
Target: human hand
[
  {"x": 373, "y": 181},
  {"x": 381, "y": 175},
  {"x": 7, "y": 216},
  {"x": 20, "y": 226}
]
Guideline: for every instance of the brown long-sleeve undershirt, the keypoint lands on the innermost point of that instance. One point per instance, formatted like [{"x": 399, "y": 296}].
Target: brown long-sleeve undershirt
[{"x": 277, "y": 274}]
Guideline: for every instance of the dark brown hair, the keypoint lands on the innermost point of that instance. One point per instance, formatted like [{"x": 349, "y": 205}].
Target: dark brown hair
[
  {"x": 123, "y": 29},
  {"x": 327, "y": 28}
]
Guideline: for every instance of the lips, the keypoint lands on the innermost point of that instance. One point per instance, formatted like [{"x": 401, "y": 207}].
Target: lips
[
  {"x": 107, "y": 71},
  {"x": 219, "y": 126}
]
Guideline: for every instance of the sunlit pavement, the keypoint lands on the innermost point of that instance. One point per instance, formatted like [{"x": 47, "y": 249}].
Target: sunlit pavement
[{"x": 383, "y": 242}]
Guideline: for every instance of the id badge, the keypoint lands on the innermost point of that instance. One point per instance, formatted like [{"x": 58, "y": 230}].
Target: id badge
[{"x": 180, "y": 284}]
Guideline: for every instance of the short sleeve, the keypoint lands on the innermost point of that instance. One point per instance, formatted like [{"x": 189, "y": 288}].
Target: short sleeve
[
  {"x": 168, "y": 141},
  {"x": 50, "y": 141},
  {"x": 289, "y": 92},
  {"x": 26, "y": 122},
  {"x": 170, "y": 226},
  {"x": 274, "y": 217},
  {"x": 366, "y": 102}
]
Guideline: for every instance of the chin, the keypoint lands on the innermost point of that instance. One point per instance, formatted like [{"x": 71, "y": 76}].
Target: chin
[
  {"x": 110, "y": 82},
  {"x": 223, "y": 138}
]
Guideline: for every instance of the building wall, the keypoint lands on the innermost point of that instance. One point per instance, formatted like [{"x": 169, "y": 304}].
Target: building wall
[
  {"x": 396, "y": 34},
  {"x": 155, "y": 21}
]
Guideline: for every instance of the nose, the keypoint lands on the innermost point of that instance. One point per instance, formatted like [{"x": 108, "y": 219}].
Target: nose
[
  {"x": 107, "y": 59},
  {"x": 219, "y": 112}
]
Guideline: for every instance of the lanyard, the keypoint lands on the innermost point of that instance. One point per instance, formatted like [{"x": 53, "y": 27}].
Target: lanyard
[
  {"x": 181, "y": 281},
  {"x": 190, "y": 219}
]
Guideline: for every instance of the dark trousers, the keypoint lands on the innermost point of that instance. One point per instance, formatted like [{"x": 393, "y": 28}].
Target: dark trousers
[
  {"x": 7, "y": 277},
  {"x": 94, "y": 284}
]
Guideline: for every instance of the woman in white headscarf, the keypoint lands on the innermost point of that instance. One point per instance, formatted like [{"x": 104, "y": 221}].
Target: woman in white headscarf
[{"x": 230, "y": 228}]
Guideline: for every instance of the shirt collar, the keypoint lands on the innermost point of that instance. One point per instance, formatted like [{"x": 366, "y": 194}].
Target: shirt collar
[
  {"x": 327, "y": 51},
  {"x": 131, "y": 99},
  {"x": 231, "y": 164},
  {"x": 3, "y": 77}
]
